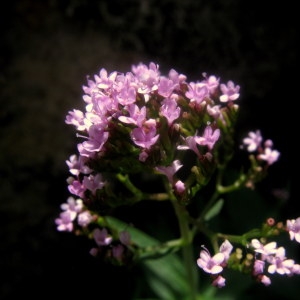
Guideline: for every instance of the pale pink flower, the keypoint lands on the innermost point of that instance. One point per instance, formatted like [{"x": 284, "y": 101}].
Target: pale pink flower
[
  {"x": 147, "y": 77},
  {"x": 265, "y": 280},
  {"x": 93, "y": 182},
  {"x": 97, "y": 138},
  {"x": 165, "y": 87},
  {"x": 75, "y": 187},
  {"x": 258, "y": 267},
  {"x": 179, "y": 187},
  {"x": 197, "y": 92},
  {"x": 214, "y": 111},
  {"x": 170, "y": 171},
  {"x": 170, "y": 110},
  {"x": 210, "y": 264},
  {"x": 293, "y": 227},
  {"x": 101, "y": 237},
  {"x": 190, "y": 145},
  {"x": 176, "y": 78},
  {"x": 103, "y": 80},
  {"x": 76, "y": 118},
  {"x": 219, "y": 281},
  {"x": 136, "y": 115},
  {"x": 143, "y": 156},
  {"x": 211, "y": 82},
  {"x": 253, "y": 141},
  {"x": 84, "y": 218},
  {"x": 209, "y": 137},
  {"x": 269, "y": 155},
  {"x": 126, "y": 95},
  {"x": 145, "y": 136},
  {"x": 279, "y": 263},
  {"x": 226, "y": 249},
  {"x": 268, "y": 249},
  {"x": 73, "y": 206},
  {"x": 77, "y": 165},
  {"x": 230, "y": 92},
  {"x": 295, "y": 269},
  {"x": 65, "y": 221}
]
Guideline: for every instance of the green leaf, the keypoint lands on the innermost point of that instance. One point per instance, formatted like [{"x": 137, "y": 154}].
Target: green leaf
[
  {"x": 165, "y": 275},
  {"x": 139, "y": 238},
  {"x": 214, "y": 210}
]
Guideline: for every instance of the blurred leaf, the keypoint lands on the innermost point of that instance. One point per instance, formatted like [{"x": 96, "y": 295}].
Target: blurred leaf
[
  {"x": 165, "y": 275},
  {"x": 214, "y": 211},
  {"x": 140, "y": 238}
]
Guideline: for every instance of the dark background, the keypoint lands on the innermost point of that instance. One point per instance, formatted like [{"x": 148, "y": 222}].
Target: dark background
[{"x": 47, "y": 49}]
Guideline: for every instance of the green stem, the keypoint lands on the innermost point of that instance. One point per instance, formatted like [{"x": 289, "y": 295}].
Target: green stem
[
  {"x": 233, "y": 187},
  {"x": 187, "y": 249}
]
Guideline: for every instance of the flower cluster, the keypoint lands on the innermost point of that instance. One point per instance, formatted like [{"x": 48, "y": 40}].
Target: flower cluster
[
  {"x": 141, "y": 121},
  {"x": 141, "y": 124},
  {"x": 265, "y": 152},
  {"x": 214, "y": 265},
  {"x": 261, "y": 256}
]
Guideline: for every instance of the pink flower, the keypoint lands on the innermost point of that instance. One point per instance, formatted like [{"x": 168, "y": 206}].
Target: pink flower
[
  {"x": 190, "y": 144},
  {"x": 165, "y": 87},
  {"x": 147, "y": 77},
  {"x": 176, "y": 78},
  {"x": 77, "y": 165},
  {"x": 268, "y": 249},
  {"x": 97, "y": 138},
  {"x": 258, "y": 267},
  {"x": 280, "y": 264},
  {"x": 76, "y": 118},
  {"x": 253, "y": 141},
  {"x": 101, "y": 237},
  {"x": 210, "y": 264},
  {"x": 84, "y": 218},
  {"x": 265, "y": 280},
  {"x": 93, "y": 183},
  {"x": 197, "y": 92},
  {"x": 75, "y": 187},
  {"x": 219, "y": 282},
  {"x": 65, "y": 221},
  {"x": 230, "y": 92},
  {"x": 170, "y": 109},
  {"x": 293, "y": 227},
  {"x": 226, "y": 249},
  {"x": 145, "y": 136},
  {"x": 209, "y": 137},
  {"x": 127, "y": 94},
  {"x": 143, "y": 156},
  {"x": 269, "y": 155},
  {"x": 73, "y": 206},
  {"x": 102, "y": 81},
  {"x": 179, "y": 187},
  {"x": 170, "y": 171},
  {"x": 211, "y": 82},
  {"x": 137, "y": 115}
]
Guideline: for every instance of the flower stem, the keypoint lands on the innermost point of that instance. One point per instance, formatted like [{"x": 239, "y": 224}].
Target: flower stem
[{"x": 187, "y": 249}]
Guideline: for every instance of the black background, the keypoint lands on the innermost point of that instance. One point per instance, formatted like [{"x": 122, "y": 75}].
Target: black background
[{"x": 47, "y": 50}]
